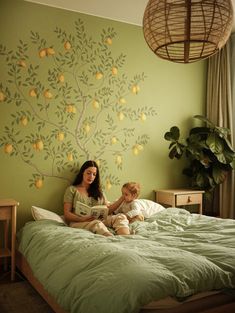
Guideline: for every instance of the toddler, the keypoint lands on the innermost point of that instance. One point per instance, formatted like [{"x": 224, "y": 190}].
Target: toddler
[{"x": 136, "y": 209}]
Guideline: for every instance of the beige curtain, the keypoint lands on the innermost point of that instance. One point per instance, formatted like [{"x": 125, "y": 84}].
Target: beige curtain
[{"x": 220, "y": 110}]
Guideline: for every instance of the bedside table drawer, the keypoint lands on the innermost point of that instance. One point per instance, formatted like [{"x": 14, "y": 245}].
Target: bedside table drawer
[
  {"x": 188, "y": 199},
  {"x": 180, "y": 197},
  {"x": 5, "y": 213}
]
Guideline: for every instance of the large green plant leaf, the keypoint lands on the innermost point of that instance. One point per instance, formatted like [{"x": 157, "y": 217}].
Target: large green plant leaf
[
  {"x": 215, "y": 143},
  {"x": 205, "y": 119},
  {"x": 202, "y": 131},
  {"x": 201, "y": 180},
  {"x": 173, "y": 134},
  {"x": 176, "y": 151},
  {"x": 220, "y": 148},
  {"x": 219, "y": 175},
  {"x": 209, "y": 152},
  {"x": 225, "y": 157},
  {"x": 229, "y": 146},
  {"x": 222, "y": 131}
]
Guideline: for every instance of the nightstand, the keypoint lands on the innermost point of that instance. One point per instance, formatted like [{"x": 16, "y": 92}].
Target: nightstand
[
  {"x": 7, "y": 214},
  {"x": 180, "y": 197}
]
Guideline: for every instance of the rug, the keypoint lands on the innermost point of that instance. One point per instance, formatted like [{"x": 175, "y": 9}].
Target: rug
[{"x": 21, "y": 297}]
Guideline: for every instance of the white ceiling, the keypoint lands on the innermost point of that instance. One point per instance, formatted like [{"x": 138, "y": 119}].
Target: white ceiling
[{"x": 128, "y": 11}]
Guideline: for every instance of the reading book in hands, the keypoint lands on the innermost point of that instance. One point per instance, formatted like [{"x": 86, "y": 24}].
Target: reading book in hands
[{"x": 98, "y": 211}]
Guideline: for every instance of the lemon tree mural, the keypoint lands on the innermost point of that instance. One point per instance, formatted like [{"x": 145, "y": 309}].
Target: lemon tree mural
[{"x": 70, "y": 99}]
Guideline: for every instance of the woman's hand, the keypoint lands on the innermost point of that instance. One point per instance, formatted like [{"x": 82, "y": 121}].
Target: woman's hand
[
  {"x": 87, "y": 218},
  {"x": 71, "y": 217}
]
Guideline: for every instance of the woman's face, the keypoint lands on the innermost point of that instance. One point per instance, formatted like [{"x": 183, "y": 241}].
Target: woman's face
[
  {"x": 128, "y": 196},
  {"x": 89, "y": 175}
]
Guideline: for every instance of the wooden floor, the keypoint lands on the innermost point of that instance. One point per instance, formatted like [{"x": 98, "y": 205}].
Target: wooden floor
[
  {"x": 5, "y": 276},
  {"x": 19, "y": 296}
]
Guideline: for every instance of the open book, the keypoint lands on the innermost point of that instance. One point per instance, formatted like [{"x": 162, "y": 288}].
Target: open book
[{"x": 98, "y": 211}]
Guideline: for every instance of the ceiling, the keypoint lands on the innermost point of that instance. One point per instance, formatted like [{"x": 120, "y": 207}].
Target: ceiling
[{"x": 128, "y": 11}]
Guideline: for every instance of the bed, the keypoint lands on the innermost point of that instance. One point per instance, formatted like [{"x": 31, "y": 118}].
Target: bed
[{"x": 174, "y": 261}]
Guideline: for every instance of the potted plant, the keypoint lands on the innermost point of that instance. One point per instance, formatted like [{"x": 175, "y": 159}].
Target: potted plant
[{"x": 208, "y": 151}]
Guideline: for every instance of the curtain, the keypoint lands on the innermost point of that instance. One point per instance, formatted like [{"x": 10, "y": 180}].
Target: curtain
[{"x": 220, "y": 109}]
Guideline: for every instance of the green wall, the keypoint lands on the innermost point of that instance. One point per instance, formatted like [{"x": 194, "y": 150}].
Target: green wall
[{"x": 47, "y": 133}]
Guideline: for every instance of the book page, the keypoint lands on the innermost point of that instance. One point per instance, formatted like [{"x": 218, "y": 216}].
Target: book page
[{"x": 98, "y": 211}]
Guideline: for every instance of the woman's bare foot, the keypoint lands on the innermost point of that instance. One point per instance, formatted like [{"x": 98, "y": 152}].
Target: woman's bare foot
[{"x": 107, "y": 234}]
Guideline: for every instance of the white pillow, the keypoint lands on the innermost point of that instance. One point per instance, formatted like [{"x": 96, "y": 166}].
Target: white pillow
[{"x": 42, "y": 214}]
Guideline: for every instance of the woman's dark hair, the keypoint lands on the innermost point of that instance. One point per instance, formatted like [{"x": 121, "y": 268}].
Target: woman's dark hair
[{"x": 94, "y": 190}]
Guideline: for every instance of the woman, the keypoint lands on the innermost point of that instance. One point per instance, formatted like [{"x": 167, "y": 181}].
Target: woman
[{"x": 86, "y": 188}]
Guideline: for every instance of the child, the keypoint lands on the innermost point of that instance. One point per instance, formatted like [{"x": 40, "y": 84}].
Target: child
[{"x": 136, "y": 209}]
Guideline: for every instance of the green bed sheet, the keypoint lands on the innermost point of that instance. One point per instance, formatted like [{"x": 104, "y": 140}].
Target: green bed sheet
[{"x": 174, "y": 253}]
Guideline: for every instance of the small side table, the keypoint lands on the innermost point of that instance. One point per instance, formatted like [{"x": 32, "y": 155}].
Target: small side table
[
  {"x": 8, "y": 213},
  {"x": 178, "y": 197}
]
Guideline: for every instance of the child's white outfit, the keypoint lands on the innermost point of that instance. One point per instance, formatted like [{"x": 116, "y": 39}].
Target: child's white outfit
[{"x": 139, "y": 206}]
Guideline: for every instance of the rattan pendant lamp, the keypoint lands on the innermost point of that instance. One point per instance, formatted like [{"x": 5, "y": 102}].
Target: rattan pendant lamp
[{"x": 186, "y": 31}]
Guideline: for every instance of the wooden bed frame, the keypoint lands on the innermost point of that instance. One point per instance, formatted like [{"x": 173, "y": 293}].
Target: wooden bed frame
[{"x": 217, "y": 303}]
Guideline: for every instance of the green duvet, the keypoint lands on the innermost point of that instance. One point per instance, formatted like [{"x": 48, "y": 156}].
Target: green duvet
[{"x": 174, "y": 253}]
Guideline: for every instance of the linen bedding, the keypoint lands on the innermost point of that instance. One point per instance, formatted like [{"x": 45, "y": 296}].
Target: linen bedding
[{"x": 173, "y": 253}]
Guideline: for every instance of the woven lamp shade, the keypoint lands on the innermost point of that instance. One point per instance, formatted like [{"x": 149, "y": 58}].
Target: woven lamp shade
[{"x": 186, "y": 31}]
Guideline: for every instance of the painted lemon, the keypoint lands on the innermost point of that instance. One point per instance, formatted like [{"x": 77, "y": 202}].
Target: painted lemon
[
  {"x": 60, "y": 136},
  {"x": 139, "y": 147},
  {"x": 42, "y": 53},
  {"x": 114, "y": 70},
  {"x": 69, "y": 108},
  {"x": 24, "y": 120},
  {"x": 99, "y": 75},
  {"x": 122, "y": 100},
  {"x": 113, "y": 140},
  {"x": 67, "y": 45},
  {"x": 135, "y": 89},
  {"x": 87, "y": 128},
  {"x": 120, "y": 116},
  {"x": 74, "y": 110},
  {"x": 108, "y": 184},
  {"x": 119, "y": 159},
  {"x": 47, "y": 94},
  {"x": 61, "y": 78},
  {"x": 22, "y": 63},
  {"x": 33, "y": 92},
  {"x": 98, "y": 162},
  {"x": 143, "y": 117},
  {"x": 135, "y": 150},
  {"x": 50, "y": 51},
  {"x": 95, "y": 104},
  {"x": 39, "y": 145},
  {"x": 8, "y": 148},
  {"x": 70, "y": 157},
  {"x": 2, "y": 96},
  {"x": 38, "y": 183},
  {"x": 108, "y": 41}
]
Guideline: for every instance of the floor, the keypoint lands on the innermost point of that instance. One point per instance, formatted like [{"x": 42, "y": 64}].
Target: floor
[
  {"x": 18, "y": 295},
  {"x": 5, "y": 275}
]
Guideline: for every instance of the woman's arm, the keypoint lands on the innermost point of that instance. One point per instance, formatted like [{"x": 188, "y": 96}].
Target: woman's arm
[
  {"x": 113, "y": 206},
  {"x": 72, "y": 217}
]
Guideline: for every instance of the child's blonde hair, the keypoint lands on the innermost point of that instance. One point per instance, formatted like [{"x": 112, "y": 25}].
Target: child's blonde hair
[{"x": 133, "y": 187}]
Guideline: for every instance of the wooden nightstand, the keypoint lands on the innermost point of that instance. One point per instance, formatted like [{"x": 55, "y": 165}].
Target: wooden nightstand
[
  {"x": 7, "y": 213},
  {"x": 179, "y": 197}
]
